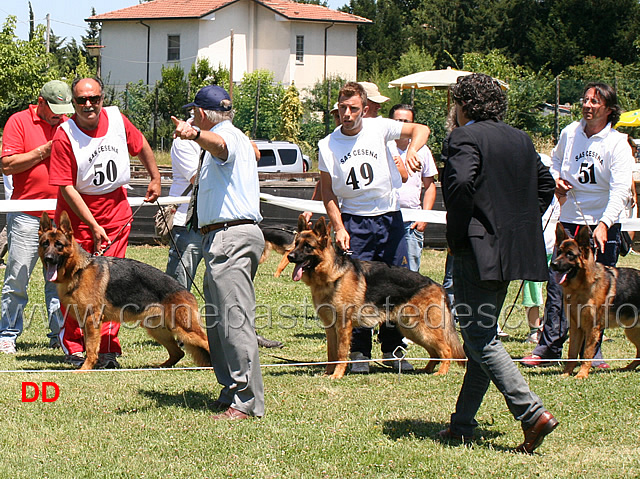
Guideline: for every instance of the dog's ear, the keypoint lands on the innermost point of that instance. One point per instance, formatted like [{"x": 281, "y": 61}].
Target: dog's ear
[
  {"x": 561, "y": 234},
  {"x": 320, "y": 228},
  {"x": 65, "y": 224},
  {"x": 583, "y": 238},
  {"x": 302, "y": 224},
  {"x": 45, "y": 223}
]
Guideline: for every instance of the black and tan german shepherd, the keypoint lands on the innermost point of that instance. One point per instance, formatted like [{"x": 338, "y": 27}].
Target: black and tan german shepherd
[
  {"x": 348, "y": 292},
  {"x": 595, "y": 297},
  {"x": 278, "y": 238},
  {"x": 94, "y": 289}
]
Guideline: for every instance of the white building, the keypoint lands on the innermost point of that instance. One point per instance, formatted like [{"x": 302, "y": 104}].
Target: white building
[{"x": 299, "y": 43}]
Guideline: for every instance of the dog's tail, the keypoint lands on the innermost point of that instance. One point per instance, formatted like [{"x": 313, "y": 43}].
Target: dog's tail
[
  {"x": 199, "y": 354},
  {"x": 189, "y": 331},
  {"x": 452, "y": 337}
]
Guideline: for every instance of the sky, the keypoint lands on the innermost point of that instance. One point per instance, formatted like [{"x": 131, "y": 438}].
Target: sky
[{"x": 67, "y": 16}]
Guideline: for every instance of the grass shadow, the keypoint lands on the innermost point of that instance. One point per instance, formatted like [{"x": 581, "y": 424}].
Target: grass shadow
[
  {"x": 320, "y": 336},
  {"x": 427, "y": 430},
  {"x": 193, "y": 400}
]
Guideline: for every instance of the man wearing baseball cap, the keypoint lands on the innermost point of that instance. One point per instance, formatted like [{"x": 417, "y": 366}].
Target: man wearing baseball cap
[
  {"x": 225, "y": 210},
  {"x": 26, "y": 150},
  {"x": 374, "y": 98}
]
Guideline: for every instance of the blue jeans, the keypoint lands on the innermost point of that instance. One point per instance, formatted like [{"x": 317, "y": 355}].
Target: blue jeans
[
  {"x": 556, "y": 326},
  {"x": 22, "y": 236},
  {"x": 183, "y": 262},
  {"x": 478, "y": 305},
  {"x": 415, "y": 242}
]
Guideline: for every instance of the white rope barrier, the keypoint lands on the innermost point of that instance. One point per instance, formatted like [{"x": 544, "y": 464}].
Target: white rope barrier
[
  {"x": 288, "y": 364},
  {"x": 295, "y": 204}
]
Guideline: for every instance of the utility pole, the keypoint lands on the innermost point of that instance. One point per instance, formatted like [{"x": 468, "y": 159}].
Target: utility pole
[{"x": 48, "y": 40}]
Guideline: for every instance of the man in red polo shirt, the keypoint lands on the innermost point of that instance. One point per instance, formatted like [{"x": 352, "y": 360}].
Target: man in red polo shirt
[
  {"x": 26, "y": 149},
  {"x": 90, "y": 166}
]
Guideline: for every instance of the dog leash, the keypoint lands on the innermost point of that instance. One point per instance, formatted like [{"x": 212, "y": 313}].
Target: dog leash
[
  {"x": 504, "y": 324},
  {"x": 175, "y": 246},
  {"x": 128, "y": 223}
]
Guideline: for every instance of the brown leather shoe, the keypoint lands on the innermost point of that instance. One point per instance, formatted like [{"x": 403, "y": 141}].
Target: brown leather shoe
[
  {"x": 230, "y": 414},
  {"x": 534, "y": 436},
  {"x": 220, "y": 406},
  {"x": 448, "y": 435}
]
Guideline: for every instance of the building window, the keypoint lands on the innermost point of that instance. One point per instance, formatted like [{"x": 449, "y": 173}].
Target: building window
[
  {"x": 299, "y": 48},
  {"x": 173, "y": 49}
]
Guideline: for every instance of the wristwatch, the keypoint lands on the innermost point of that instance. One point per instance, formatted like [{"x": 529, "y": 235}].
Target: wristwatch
[{"x": 197, "y": 132}]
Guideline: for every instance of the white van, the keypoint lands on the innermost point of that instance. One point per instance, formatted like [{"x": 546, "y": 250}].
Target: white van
[{"x": 281, "y": 157}]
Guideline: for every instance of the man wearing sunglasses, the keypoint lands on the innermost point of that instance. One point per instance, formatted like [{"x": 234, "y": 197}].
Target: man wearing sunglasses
[
  {"x": 26, "y": 153},
  {"x": 90, "y": 166}
]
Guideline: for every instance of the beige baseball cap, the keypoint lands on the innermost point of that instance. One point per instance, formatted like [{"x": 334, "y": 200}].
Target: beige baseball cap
[
  {"x": 58, "y": 95},
  {"x": 373, "y": 93}
]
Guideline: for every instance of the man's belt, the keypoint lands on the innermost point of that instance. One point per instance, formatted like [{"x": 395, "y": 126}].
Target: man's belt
[{"x": 218, "y": 226}]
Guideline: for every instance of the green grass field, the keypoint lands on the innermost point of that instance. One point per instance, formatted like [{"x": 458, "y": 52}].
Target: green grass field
[{"x": 156, "y": 423}]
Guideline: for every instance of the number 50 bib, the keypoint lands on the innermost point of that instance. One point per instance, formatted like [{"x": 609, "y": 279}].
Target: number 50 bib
[{"x": 103, "y": 163}]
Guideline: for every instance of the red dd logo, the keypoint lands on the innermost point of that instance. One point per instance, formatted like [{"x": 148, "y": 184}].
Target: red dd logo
[{"x": 31, "y": 392}]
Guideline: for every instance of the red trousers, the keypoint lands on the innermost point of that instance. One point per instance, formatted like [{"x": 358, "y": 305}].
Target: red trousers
[{"x": 71, "y": 337}]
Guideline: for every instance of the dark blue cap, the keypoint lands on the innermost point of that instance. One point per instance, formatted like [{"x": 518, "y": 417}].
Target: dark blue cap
[{"x": 210, "y": 98}]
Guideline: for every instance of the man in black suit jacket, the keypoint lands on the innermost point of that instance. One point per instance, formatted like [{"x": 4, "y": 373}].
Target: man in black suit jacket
[{"x": 495, "y": 189}]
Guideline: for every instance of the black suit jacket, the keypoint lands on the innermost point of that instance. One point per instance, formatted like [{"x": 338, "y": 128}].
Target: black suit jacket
[{"x": 495, "y": 190}]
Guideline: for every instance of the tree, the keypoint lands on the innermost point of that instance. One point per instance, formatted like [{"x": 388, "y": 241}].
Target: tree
[
  {"x": 92, "y": 37},
  {"x": 291, "y": 111},
  {"x": 202, "y": 74},
  {"x": 23, "y": 69},
  {"x": 257, "y": 104}
]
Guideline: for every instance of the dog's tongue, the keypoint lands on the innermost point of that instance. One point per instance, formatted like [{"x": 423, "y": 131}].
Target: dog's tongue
[
  {"x": 297, "y": 273},
  {"x": 52, "y": 272},
  {"x": 560, "y": 277}
]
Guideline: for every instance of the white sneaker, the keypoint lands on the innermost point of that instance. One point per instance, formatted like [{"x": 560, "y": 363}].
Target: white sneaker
[
  {"x": 404, "y": 364},
  {"x": 7, "y": 346},
  {"x": 359, "y": 368}
]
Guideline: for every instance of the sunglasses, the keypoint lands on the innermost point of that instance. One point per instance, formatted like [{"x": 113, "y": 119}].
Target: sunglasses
[{"x": 94, "y": 100}]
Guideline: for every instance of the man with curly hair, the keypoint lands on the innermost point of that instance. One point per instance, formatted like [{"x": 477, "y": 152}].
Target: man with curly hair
[{"x": 495, "y": 189}]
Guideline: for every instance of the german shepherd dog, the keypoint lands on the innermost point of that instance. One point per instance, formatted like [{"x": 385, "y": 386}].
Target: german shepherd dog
[
  {"x": 278, "y": 238},
  {"x": 94, "y": 289},
  {"x": 595, "y": 297},
  {"x": 348, "y": 292}
]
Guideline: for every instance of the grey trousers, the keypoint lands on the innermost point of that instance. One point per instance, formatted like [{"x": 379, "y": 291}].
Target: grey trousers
[
  {"x": 478, "y": 305},
  {"x": 231, "y": 257}
]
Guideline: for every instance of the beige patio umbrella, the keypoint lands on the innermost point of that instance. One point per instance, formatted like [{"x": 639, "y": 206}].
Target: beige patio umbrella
[
  {"x": 433, "y": 80},
  {"x": 429, "y": 80}
]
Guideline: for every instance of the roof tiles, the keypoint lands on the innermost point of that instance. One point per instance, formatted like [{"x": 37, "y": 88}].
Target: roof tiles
[{"x": 176, "y": 9}]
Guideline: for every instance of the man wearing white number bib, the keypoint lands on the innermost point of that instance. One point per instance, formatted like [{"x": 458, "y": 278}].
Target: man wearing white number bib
[
  {"x": 90, "y": 165},
  {"x": 592, "y": 164},
  {"x": 358, "y": 180}
]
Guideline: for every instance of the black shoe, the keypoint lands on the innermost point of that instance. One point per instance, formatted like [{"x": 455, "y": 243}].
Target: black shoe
[{"x": 268, "y": 343}]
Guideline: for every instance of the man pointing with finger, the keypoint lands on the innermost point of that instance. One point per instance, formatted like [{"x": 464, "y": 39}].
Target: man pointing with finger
[{"x": 225, "y": 210}]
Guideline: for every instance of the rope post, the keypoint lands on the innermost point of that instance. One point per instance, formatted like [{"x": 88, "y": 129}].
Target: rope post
[{"x": 399, "y": 353}]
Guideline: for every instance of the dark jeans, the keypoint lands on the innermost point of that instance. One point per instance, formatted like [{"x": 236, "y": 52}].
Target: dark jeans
[
  {"x": 377, "y": 238},
  {"x": 556, "y": 326},
  {"x": 478, "y": 305}
]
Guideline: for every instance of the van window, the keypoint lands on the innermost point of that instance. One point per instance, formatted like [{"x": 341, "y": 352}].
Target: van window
[
  {"x": 267, "y": 158},
  {"x": 288, "y": 156}
]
